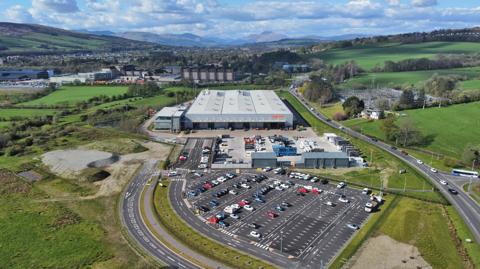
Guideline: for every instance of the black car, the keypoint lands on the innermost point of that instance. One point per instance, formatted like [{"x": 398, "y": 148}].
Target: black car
[
  {"x": 453, "y": 191},
  {"x": 393, "y": 148}
]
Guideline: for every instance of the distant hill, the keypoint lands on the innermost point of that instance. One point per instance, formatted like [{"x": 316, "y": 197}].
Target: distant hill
[
  {"x": 183, "y": 40},
  {"x": 18, "y": 38}
]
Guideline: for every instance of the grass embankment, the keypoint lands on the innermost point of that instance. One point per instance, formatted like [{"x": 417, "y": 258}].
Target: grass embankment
[
  {"x": 383, "y": 168},
  {"x": 69, "y": 95},
  {"x": 44, "y": 235},
  {"x": 371, "y": 55},
  {"x": 469, "y": 85},
  {"x": 451, "y": 128},
  {"x": 184, "y": 233}
]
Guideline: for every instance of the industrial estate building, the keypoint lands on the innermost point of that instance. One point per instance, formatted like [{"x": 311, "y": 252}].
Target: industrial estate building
[
  {"x": 235, "y": 109},
  {"x": 208, "y": 74}
]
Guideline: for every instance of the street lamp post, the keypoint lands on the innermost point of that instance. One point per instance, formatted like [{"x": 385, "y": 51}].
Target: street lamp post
[
  {"x": 281, "y": 241},
  {"x": 471, "y": 178}
]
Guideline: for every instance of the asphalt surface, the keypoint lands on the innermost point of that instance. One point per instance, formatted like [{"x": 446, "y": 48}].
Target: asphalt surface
[
  {"x": 194, "y": 149},
  {"x": 468, "y": 209},
  {"x": 131, "y": 219},
  {"x": 307, "y": 233}
]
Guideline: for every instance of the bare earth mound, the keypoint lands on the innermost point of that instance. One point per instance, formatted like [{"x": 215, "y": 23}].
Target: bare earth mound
[
  {"x": 384, "y": 252},
  {"x": 69, "y": 163}
]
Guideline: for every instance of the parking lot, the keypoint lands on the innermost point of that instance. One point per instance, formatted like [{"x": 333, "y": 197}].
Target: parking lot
[
  {"x": 303, "y": 220},
  {"x": 192, "y": 154}
]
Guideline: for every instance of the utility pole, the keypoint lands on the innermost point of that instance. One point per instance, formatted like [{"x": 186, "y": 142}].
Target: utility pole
[
  {"x": 404, "y": 182},
  {"x": 471, "y": 177}
]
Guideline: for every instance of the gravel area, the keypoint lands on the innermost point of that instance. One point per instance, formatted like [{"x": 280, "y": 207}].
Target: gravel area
[
  {"x": 71, "y": 162},
  {"x": 384, "y": 252}
]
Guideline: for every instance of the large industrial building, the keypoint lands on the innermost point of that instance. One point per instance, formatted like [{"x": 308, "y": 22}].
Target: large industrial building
[{"x": 236, "y": 109}]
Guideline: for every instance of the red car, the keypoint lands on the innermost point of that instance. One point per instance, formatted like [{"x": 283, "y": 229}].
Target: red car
[
  {"x": 302, "y": 190},
  {"x": 271, "y": 214},
  {"x": 182, "y": 158},
  {"x": 207, "y": 186}
]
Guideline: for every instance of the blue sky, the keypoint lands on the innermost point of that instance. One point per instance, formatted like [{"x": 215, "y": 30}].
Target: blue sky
[{"x": 239, "y": 18}]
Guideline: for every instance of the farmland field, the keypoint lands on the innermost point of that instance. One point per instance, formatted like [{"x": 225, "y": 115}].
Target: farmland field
[
  {"x": 70, "y": 95},
  {"x": 391, "y": 79},
  {"x": 452, "y": 127},
  {"x": 8, "y": 113},
  {"x": 370, "y": 56}
]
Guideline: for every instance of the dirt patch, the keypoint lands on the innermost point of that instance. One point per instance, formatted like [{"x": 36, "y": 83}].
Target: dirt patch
[
  {"x": 384, "y": 252},
  {"x": 70, "y": 163}
]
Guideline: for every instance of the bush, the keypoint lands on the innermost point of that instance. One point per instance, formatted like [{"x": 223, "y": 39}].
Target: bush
[
  {"x": 339, "y": 116},
  {"x": 450, "y": 162}
]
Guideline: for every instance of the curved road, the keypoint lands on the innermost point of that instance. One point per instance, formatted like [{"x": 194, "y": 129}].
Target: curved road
[
  {"x": 468, "y": 209},
  {"x": 132, "y": 220}
]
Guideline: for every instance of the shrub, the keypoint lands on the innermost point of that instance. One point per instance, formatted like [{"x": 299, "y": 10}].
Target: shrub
[{"x": 339, "y": 116}]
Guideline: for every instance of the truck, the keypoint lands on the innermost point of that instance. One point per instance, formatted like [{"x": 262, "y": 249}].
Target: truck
[{"x": 371, "y": 206}]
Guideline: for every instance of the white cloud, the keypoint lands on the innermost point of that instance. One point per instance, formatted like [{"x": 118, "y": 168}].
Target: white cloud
[
  {"x": 209, "y": 17},
  {"x": 18, "y": 13},
  {"x": 59, "y": 6},
  {"x": 424, "y": 3}
]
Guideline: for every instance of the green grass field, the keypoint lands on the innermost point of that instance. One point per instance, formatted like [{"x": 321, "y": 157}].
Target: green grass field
[
  {"x": 8, "y": 113},
  {"x": 44, "y": 235},
  {"x": 469, "y": 85},
  {"x": 69, "y": 95},
  {"x": 370, "y": 56},
  {"x": 452, "y": 128},
  {"x": 416, "y": 78}
]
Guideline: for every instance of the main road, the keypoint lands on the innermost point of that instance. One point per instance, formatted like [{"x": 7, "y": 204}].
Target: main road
[
  {"x": 133, "y": 222},
  {"x": 468, "y": 209}
]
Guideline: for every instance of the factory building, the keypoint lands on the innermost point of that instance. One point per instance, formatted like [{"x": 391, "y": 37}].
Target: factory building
[
  {"x": 238, "y": 109},
  {"x": 208, "y": 74},
  {"x": 312, "y": 160},
  {"x": 169, "y": 119}
]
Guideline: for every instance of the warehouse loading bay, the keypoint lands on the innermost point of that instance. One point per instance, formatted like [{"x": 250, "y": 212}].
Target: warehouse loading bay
[{"x": 295, "y": 215}]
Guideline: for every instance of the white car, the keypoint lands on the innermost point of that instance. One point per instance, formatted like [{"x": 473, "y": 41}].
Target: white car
[
  {"x": 279, "y": 188},
  {"x": 267, "y": 169},
  {"x": 365, "y": 191},
  {"x": 236, "y": 206},
  {"x": 245, "y": 186},
  {"x": 329, "y": 203},
  {"x": 249, "y": 207},
  {"x": 233, "y": 192},
  {"x": 341, "y": 185},
  {"x": 433, "y": 170},
  {"x": 222, "y": 179},
  {"x": 419, "y": 161},
  {"x": 255, "y": 234},
  {"x": 285, "y": 186},
  {"x": 202, "y": 166},
  {"x": 234, "y": 216},
  {"x": 353, "y": 226},
  {"x": 343, "y": 200},
  {"x": 443, "y": 182},
  {"x": 172, "y": 173},
  {"x": 308, "y": 187}
]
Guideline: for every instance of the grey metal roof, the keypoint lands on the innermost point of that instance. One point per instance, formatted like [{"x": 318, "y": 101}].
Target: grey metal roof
[
  {"x": 170, "y": 111},
  {"x": 235, "y": 102},
  {"x": 325, "y": 155},
  {"x": 264, "y": 155}
]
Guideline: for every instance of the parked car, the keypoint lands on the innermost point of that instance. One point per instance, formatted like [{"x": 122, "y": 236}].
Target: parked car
[
  {"x": 353, "y": 226},
  {"x": 271, "y": 214},
  {"x": 234, "y": 216},
  {"x": 249, "y": 207},
  {"x": 253, "y": 225},
  {"x": 419, "y": 161},
  {"x": 329, "y": 203},
  {"x": 267, "y": 169},
  {"x": 341, "y": 185},
  {"x": 234, "y": 192},
  {"x": 443, "y": 182},
  {"x": 255, "y": 234},
  {"x": 343, "y": 200}
]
